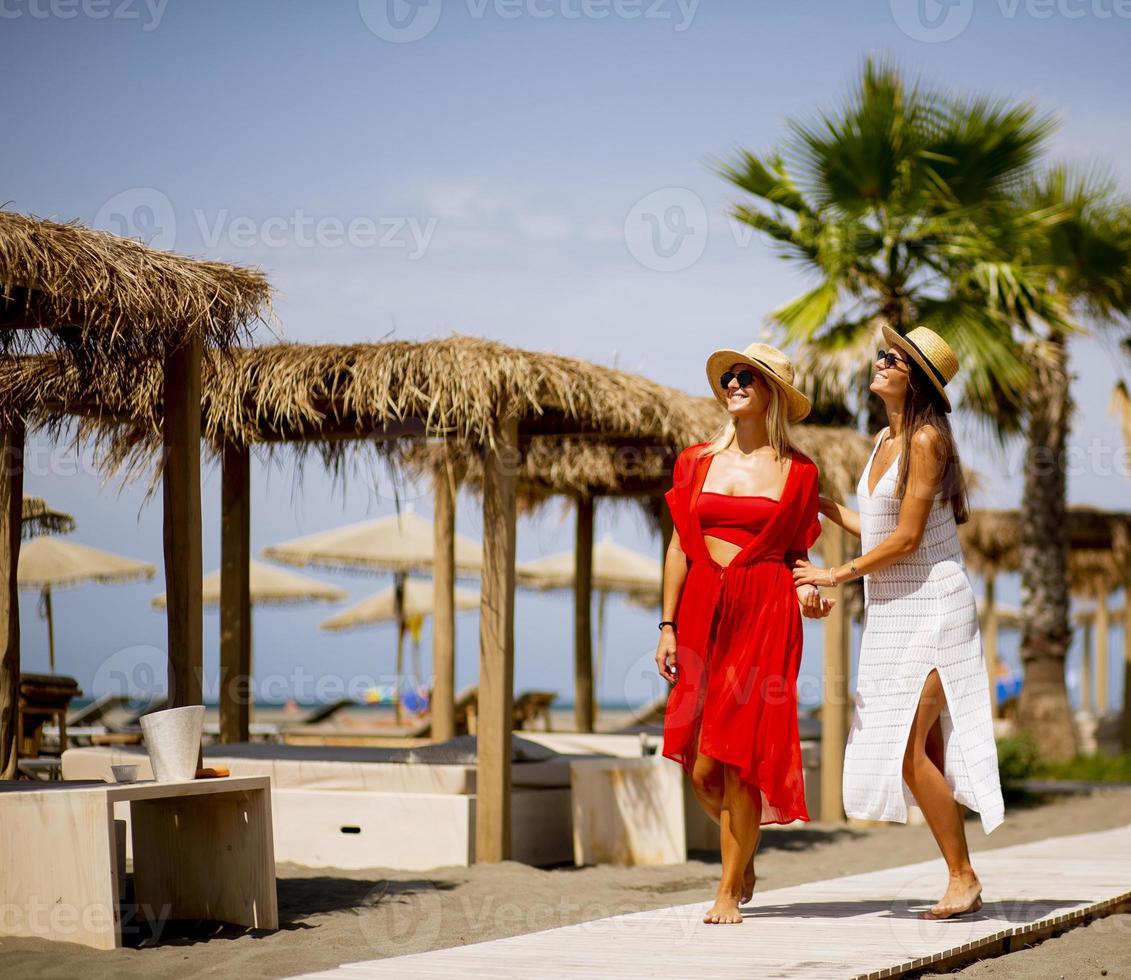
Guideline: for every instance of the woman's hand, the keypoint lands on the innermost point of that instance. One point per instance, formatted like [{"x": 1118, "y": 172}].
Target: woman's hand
[
  {"x": 806, "y": 573},
  {"x": 665, "y": 654},
  {"x": 813, "y": 604}
]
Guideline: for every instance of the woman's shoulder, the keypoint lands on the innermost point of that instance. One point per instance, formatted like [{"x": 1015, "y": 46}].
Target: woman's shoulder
[{"x": 803, "y": 462}]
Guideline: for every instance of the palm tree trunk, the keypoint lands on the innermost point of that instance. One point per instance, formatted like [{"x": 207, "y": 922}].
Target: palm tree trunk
[{"x": 1044, "y": 710}]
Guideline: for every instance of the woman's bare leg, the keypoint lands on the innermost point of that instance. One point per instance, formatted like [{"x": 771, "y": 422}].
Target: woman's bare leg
[
  {"x": 707, "y": 780},
  {"x": 739, "y": 830},
  {"x": 923, "y": 773}
]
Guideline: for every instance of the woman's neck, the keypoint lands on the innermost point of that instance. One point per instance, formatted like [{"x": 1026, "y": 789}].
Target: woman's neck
[
  {"x": 750, "y": 434},
  {"x": 895, "y": 417}
]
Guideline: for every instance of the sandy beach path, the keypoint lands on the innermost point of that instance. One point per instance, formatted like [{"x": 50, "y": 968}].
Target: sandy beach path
[{"x": 331, "y": 917}]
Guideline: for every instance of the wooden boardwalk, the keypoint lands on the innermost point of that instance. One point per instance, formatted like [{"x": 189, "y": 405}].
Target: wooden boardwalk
[{"x": 862, "y": 925}]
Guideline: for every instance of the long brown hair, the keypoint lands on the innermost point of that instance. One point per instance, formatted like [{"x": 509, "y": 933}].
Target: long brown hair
[{"x": 923, "y": 406}]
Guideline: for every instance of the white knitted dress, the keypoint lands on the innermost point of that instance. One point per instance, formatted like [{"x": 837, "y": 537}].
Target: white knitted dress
[{"x": 919, "y": 616}]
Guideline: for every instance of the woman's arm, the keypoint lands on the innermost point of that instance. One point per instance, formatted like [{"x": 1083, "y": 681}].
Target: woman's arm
[
  {"x": 675, "y": 574},
  {"x": 846, "y": 517},
  {"x": 923, "y": 480}
]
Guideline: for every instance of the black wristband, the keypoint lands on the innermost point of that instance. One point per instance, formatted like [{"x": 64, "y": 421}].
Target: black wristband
[{"x": 668, "y": 622}]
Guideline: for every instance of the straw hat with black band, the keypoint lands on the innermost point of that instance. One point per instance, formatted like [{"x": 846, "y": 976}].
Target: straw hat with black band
[
  {"x": 933, "y": 354},
  {"x": 771, "y": 364}
]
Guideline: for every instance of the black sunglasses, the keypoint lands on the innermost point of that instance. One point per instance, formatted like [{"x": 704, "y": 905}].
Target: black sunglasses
[
  {"x": 745, "y": 378},
  {"x": 889, "y": 359}
]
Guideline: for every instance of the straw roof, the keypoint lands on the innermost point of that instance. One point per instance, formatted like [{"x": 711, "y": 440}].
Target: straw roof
[
  {"x": 990, "y": 541},
  {"x": 381, "y": 607},
  {"x": 38, "y": 518},
  {"x": 552, "y": 465},
  {"x": 98, "y": 292},
  {"x": 269, "y": 586},
  {"x": 55, "y": 562}
]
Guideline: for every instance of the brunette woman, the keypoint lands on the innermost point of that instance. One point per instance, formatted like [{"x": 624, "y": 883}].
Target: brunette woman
[
  {"x": 744, "y": 506},
  {"x": 922, "y": 731}
]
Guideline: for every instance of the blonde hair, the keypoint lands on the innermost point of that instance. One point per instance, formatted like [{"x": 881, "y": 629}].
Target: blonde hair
[{"x": 777, "y": 425}]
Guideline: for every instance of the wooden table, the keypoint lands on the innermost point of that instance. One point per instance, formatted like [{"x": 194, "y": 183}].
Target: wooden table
[{"x": 202, "y": 849}]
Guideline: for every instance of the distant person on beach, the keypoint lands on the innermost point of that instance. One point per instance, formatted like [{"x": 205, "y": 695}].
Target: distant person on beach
[
  {"x": 744, "y": 508},
  {"x": 922, "y": 731}
]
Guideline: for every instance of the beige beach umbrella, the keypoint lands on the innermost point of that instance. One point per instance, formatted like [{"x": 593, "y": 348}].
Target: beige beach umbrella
[
  {"x": 381, "y": 607},
  {"x": 401, "y": 543},
  {"x": 269, "y": 586},
  {"x": 616, "y": 570},
  {"x": 50, "y": 563}
]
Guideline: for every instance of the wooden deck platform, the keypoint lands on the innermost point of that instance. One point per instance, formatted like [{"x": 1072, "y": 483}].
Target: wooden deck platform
[{"x": 862, "y": 925}]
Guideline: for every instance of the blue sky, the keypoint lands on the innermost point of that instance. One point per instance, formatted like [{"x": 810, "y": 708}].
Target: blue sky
[{"x": 495, "y": 177}]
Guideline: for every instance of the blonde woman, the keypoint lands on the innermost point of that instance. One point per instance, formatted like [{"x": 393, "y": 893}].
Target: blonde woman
[
  {"x": 922, "y": 731},
  {"x": 744, "y": 507}
]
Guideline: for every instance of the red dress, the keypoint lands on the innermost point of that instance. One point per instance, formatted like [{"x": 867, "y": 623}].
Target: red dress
[{"x": 739, "y": 632}]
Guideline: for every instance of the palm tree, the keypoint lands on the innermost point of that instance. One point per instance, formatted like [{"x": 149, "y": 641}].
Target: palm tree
[
  {"x": 1085, "y": 258},
  {"x": 911, "y": 206},
  {"x": 900, "y": 205}
]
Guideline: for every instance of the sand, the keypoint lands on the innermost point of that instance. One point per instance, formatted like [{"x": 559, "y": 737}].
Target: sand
[{"x": 331, "y": 917}]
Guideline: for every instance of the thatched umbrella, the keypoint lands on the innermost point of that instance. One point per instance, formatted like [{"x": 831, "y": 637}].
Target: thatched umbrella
[
  {"x": 615, "y": 570},
  {"x": 381, "y": 607},
  {"x": 401, "y": 543},
  {"x": 117, "y": 311},
  {"x": 38, "y": 519},
  {"x": 268, "y": 586},
  {"x": 50, "y": 563}
]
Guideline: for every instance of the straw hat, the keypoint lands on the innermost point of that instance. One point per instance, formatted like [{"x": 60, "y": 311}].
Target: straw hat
[
  {"x": 930, "y": 352},
  {"x": 771, "y": 363}
]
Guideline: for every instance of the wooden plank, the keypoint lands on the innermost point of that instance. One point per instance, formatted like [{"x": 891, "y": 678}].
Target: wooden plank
[
  {"x": 582, "y": 616},
  {"x": 496, "y": 647},
  {"x": 60, "y": 877},
  {"x": 444, "y": 604},
  {"x": 864, "y": 925},
  {"x": 235, "y": 594},
  {"x": 181, "y": 486},
  {"x": 206, "y": 856},
  {"x": 11, "y": 516},
  {"x": 834, "y": 711}
]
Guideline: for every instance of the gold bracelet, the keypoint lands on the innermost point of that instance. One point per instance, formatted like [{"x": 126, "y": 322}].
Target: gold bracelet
[{"x": 832, "y": 578}]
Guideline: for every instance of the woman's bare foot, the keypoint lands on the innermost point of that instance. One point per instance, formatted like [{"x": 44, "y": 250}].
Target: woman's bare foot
[
  {"x": 724, "y": 911},
  {"x": 748, "y": 881},
  {"x": 963, "y": 895}
]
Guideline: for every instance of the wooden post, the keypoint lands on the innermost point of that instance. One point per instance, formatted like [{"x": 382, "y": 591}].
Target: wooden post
[
  {"x": 11, "y": 516},
  {"x": 989, "y": 639},
  {"x": 1103, "y": 626},
  {"x": 1126, "y": 737},
  {"x": 443, "y": 607},
  {"x": 834, "y": 712},
  {"x": 1086, "y": 670},
  {"x": 599, "y": 656},
  {"x": 496, "y": 647},
  {"x": 181, "y": 487},
  {"x": 49, "y": 612},
  {"x": 398, "y": 605},
  {"x": 582, "y": 616},
  {"x": 235, "y": 594}
]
